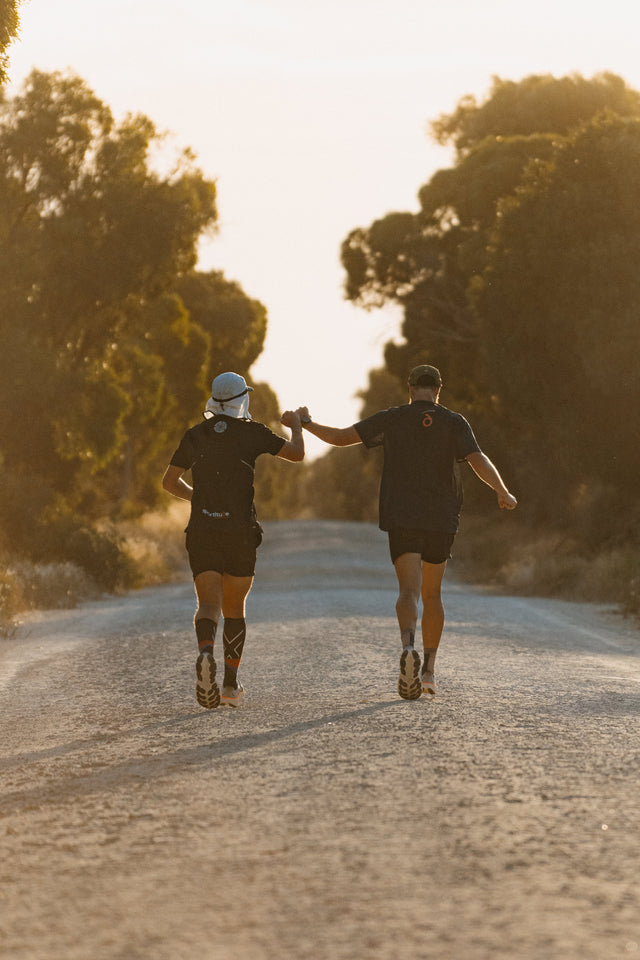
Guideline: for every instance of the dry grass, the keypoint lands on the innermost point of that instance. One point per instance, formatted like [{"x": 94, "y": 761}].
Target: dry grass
[
  {"x": 40, "y": 586},
  {"x": 488, "y": 551},
  {"x": 535, "y": 563},
  {"x": 154, "y": 543}
]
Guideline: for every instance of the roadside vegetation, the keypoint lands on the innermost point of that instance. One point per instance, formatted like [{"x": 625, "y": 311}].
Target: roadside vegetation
[
  {"x": 517, "y": 277},
  {"x": 109, "y": 335}
]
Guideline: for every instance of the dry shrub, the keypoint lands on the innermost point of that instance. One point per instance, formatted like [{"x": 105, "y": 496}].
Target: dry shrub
[
  {"x": 11, "y": 595},
  {"x": 548, "y": 566},
  {"x": 152, "y": 547},
  {"x": 483, "y": 546},
  {"x": 41, "y": 586},
  {"x": 50, "y": 586},
  {"x": 551, "y": 567},
  {"x": 613, "y": 575},
  {"x": 526, "y": 561},
  {"x": 154, "y": 543}
]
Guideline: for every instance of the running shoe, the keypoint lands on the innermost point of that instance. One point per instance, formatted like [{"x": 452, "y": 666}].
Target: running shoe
[
  {"x": 409, "y": 685},
  {"x": 232, "y": 696},
  {"x": 207, "y": 690},
  {"x": 428, "y": 682}
]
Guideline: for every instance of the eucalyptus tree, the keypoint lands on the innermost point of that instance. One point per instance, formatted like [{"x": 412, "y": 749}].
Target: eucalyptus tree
[
  {"x": 559, "y": 302},
  {"x": 9, "y": 24},
  {"x": 428, "y": 261},
  {"x": 105, "y": 350}
]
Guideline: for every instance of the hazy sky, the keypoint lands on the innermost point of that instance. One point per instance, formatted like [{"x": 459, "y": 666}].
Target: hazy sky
[{"x": 312, "y": 118}]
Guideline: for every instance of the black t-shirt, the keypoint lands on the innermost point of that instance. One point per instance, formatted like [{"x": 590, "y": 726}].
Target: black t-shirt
[
  {"x": 421, "y": 485},
  {"x": 221, "y": 453}
]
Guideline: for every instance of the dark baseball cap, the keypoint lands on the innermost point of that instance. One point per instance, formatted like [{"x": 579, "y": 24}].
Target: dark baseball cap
[{"x": 430, "y": 374}]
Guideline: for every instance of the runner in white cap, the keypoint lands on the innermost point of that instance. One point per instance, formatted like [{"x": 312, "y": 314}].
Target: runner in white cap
[
  {"x": 223, "y": 533},
  {"x": 229, "y": 395}
]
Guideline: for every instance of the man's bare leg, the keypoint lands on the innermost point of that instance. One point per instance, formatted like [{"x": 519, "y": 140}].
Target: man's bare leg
[
  {"x": 234, "y": 594},
  {"x": 409, "y": 574},
  {"x": 432, "y": 620},
  {"x": 208, "y": 585}
]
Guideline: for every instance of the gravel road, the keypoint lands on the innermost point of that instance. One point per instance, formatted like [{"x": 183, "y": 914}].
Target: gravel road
[{"x": 326, "y": 818}]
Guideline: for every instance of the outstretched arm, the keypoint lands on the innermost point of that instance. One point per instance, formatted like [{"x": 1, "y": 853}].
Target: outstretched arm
[
  {"x": 292, "y": 449},
  {"x": 483, "y": 468},
  {"x": 336, "y": 436}
]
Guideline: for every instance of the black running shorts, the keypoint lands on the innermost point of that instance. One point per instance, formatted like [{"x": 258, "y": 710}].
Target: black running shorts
[
  {"x": 223, "y": 551},
  {"x": 432, "y": 545}
]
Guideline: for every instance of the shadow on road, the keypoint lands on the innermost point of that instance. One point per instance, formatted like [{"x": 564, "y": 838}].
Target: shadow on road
[{"x": 115, "y": 776}]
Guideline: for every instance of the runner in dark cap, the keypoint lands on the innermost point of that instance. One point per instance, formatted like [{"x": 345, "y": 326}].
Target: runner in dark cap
[{"x": 420, "y": 503}]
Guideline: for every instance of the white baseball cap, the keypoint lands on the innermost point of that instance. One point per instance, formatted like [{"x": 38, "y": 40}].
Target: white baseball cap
[{"x": 229, "y": 386}]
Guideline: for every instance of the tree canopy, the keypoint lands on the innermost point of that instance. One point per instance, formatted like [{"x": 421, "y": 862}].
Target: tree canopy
[
  {"x": 425, "y": 261},
  {"x": 9, "y": 24},
  {"x": 560, "y": 306},
  {"x": 517, "y": 276},
  {"x": 539, "y": 104},
  {"x": 109, "y": 337}
]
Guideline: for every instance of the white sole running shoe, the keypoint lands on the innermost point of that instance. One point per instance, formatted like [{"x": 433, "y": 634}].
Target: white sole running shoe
[
  {"x": 207, "y": 690},
  {"x": 409, "y": 685},
  {"x": 429, "y": 683},
  {"x": 232, "y": 696}
]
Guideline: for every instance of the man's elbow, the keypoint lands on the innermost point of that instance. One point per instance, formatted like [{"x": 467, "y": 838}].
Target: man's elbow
[
  {"x": 292, "y": 454},
  {"x": 171, "y": 482}
]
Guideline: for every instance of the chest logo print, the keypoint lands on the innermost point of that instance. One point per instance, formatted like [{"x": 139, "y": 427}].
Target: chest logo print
[{"x": 220, "y": 426}]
